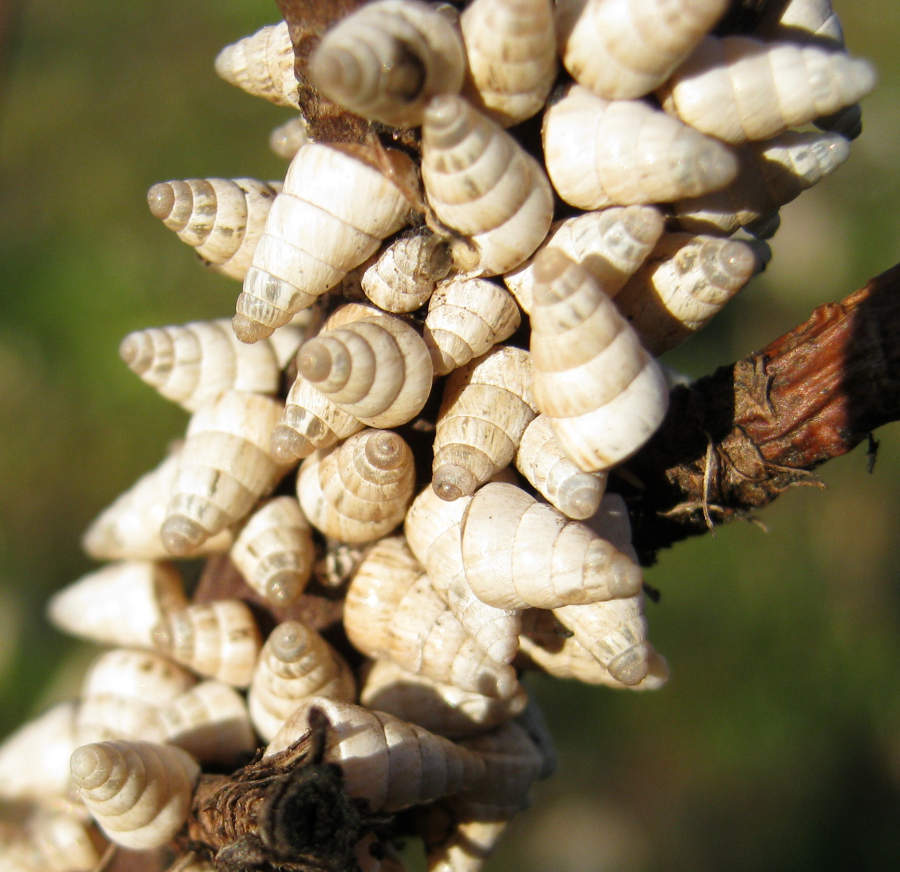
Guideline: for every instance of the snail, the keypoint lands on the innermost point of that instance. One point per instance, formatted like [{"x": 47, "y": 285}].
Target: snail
[{"x": 262, "y": 64}]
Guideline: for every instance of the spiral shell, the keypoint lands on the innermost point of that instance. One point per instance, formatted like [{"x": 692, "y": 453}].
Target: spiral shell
[
  {"x": 466, "y": 318},
  {"x": 359, "y": 490},
  {"x": 483, "y": 184},
  {"x": 286, "y": 139},
  {"x": 511, "y": 48},
  {"x": 223, "y": 469},
  {"x": 274, "y": 551},
  {"x": 118, "y": 604},
  {"x": 374, "y": 367},
  {"x": 110, "y": 716},
  {"x": 467, "y": 847},
  {"x": 63, "y": 841},
  {"x": 604, "y": 393},
  {"x": 386, "y": 60},
  {"x": 405, "y": 273},
  {"x": 193, "y": 364},
  {"x": 222, "y": 219},
  {"x": 392, "y": 612},
  {"x": 771, "y": 174},
  {"x": 685, "y": 282},
  {"x": 791, "y": 85},
  {"x": 542, "y": 460},
  {"x": 262, "y": 64},
  {"x": 144, "y": 675},
  {"x": 218, "y": 640},
  {"x": 600, "y": 153},
  {"x": 138, "y": 792},
  {"x": 486, "y": 407},
  {"x": 625, "y": 48},
  {"x": 332, "y": 213},
  {"x": 433, "y": 532},
  {"x": 295, "y": 663},
  {"x": 610, "y": 244},
  {"x": 439, "y": 708},
  {"x": 210, "y": 722},
  {"x": 387, "y": 762}
]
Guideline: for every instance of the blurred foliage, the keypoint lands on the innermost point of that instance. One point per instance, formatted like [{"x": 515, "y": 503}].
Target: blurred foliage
[{"x": 776, "y": 743}]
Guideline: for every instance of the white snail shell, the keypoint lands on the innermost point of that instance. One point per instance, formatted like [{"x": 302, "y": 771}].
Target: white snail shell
[
  {"x": 262, "y": 64},
  {"x": 144, "y": 675},
  {"x": 286, "y": 139}
]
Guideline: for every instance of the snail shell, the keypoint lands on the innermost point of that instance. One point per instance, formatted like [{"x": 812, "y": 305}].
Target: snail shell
[
  {"x": 274, "y": 551},
  {"x": 439, "y": 708},
  {"x": 262, "y": 64},
  {"x": 392, "y": 612},
  {"x": 217, "y": 639},
  {"x": 118, "y": 604},
  {"x": 386, "y": 60},
  {"x": 332, "y": 213},
  {"x": 387, "y": 762},
  {"x": 685, "y": 282},
  {"x": 295, "y": 663},
  {"x": 520, "y": 553},
  {"x": 210, "y": 722},
  {"x": 542, "y": 460},
  {"x": 223, "y": 469},
  {"x": 405, "y": 273},
  {"x": 110, "y": 716},
  {"x": 193, "y": 364},
  {"x": 34, "y": 758},
  {"x": 814, "y": 20},
  {"x": 487, "y": 405},
  {"x": 374, "y": 367},
  {"x": 610, "y": 244},
  {"x": 625, "y": 48},
  {"x": 604, "y": 393},
  {"x": 433, "y": 532},
  {"x": 221, "y": 218},
  {"x": 143, "y": 675},
  {"x": 771, "y": 174},
  {"x": 138, "y": 792},
  {"x": 483, "y": 184},
  {"x": 128, "y": 529},
  {"x": 63, "y": 841},
  {"x": 466, "y": 318},
  {"x": 467, "y": 847},
  {"x": 286, "y": 139},
  {"x": 360, "y": 490},
  {"x": 791, "y": 85},
  {"x": 511, "y": 49},
  {"x": 600, "y": 153}
]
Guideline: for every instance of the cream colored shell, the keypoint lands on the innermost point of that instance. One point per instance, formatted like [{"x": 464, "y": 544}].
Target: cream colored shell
[
  {"x": 511, "y": 49},
  {"x": 601, "y": 153},
  {"x": 542, "y": 460},
  {"x": 386, "y": 60},
  {"x": 218, "y": 640},
  {"x": 440, "y": 708},
  {"x": 262, "y": 64},
  {"x": 374, "y": 366},
  {"x": 128, "y": 529},
  {"x": 63, "y": 841},
  {"x": 139, "y": 792},
  {"x": 286, "y": 139},
  {"x": 466, "y": 318},
  {"x": 387, "y": 762},
  {"x": 360, "y": 490},
  {"x": 194, "y": 364},
  {"x": 295, "y": 663},
  {"x": 118, "y": 604},
  {"x": 129, "y": 672},
  {"x": 392, "y": 612},
  {"x": 603, "y": 391},
  {"x": 686, "y": 281},
  {"x": 467, "y": 847},
  {"x": 222, "y": 219},
  {"x": 610, "y": 244},
  {"x": 480, "y": 182},
  {"x": 625, "y": 48},
  {"x": 332, "y": 213},
  {"x": 791, "y": 84},
  {"x": 110, "y": 716},
  {"x": 274, "y": 550},
  {"x": 223, "y": 469},
  {"x": 487, "y": 405}
]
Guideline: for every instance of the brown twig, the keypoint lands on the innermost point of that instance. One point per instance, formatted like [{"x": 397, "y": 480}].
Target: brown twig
[{"x": 734, "y": 440}]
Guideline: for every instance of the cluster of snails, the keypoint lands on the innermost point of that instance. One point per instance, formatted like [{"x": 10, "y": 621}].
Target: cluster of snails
[{"x": 389, "y": 284}]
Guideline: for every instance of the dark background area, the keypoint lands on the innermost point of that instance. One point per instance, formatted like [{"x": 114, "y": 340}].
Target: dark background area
[{"x": 777, "y": 742}]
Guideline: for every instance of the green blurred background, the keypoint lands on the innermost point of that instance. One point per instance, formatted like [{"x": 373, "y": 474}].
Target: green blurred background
[{"x": 777, "y": 742}]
